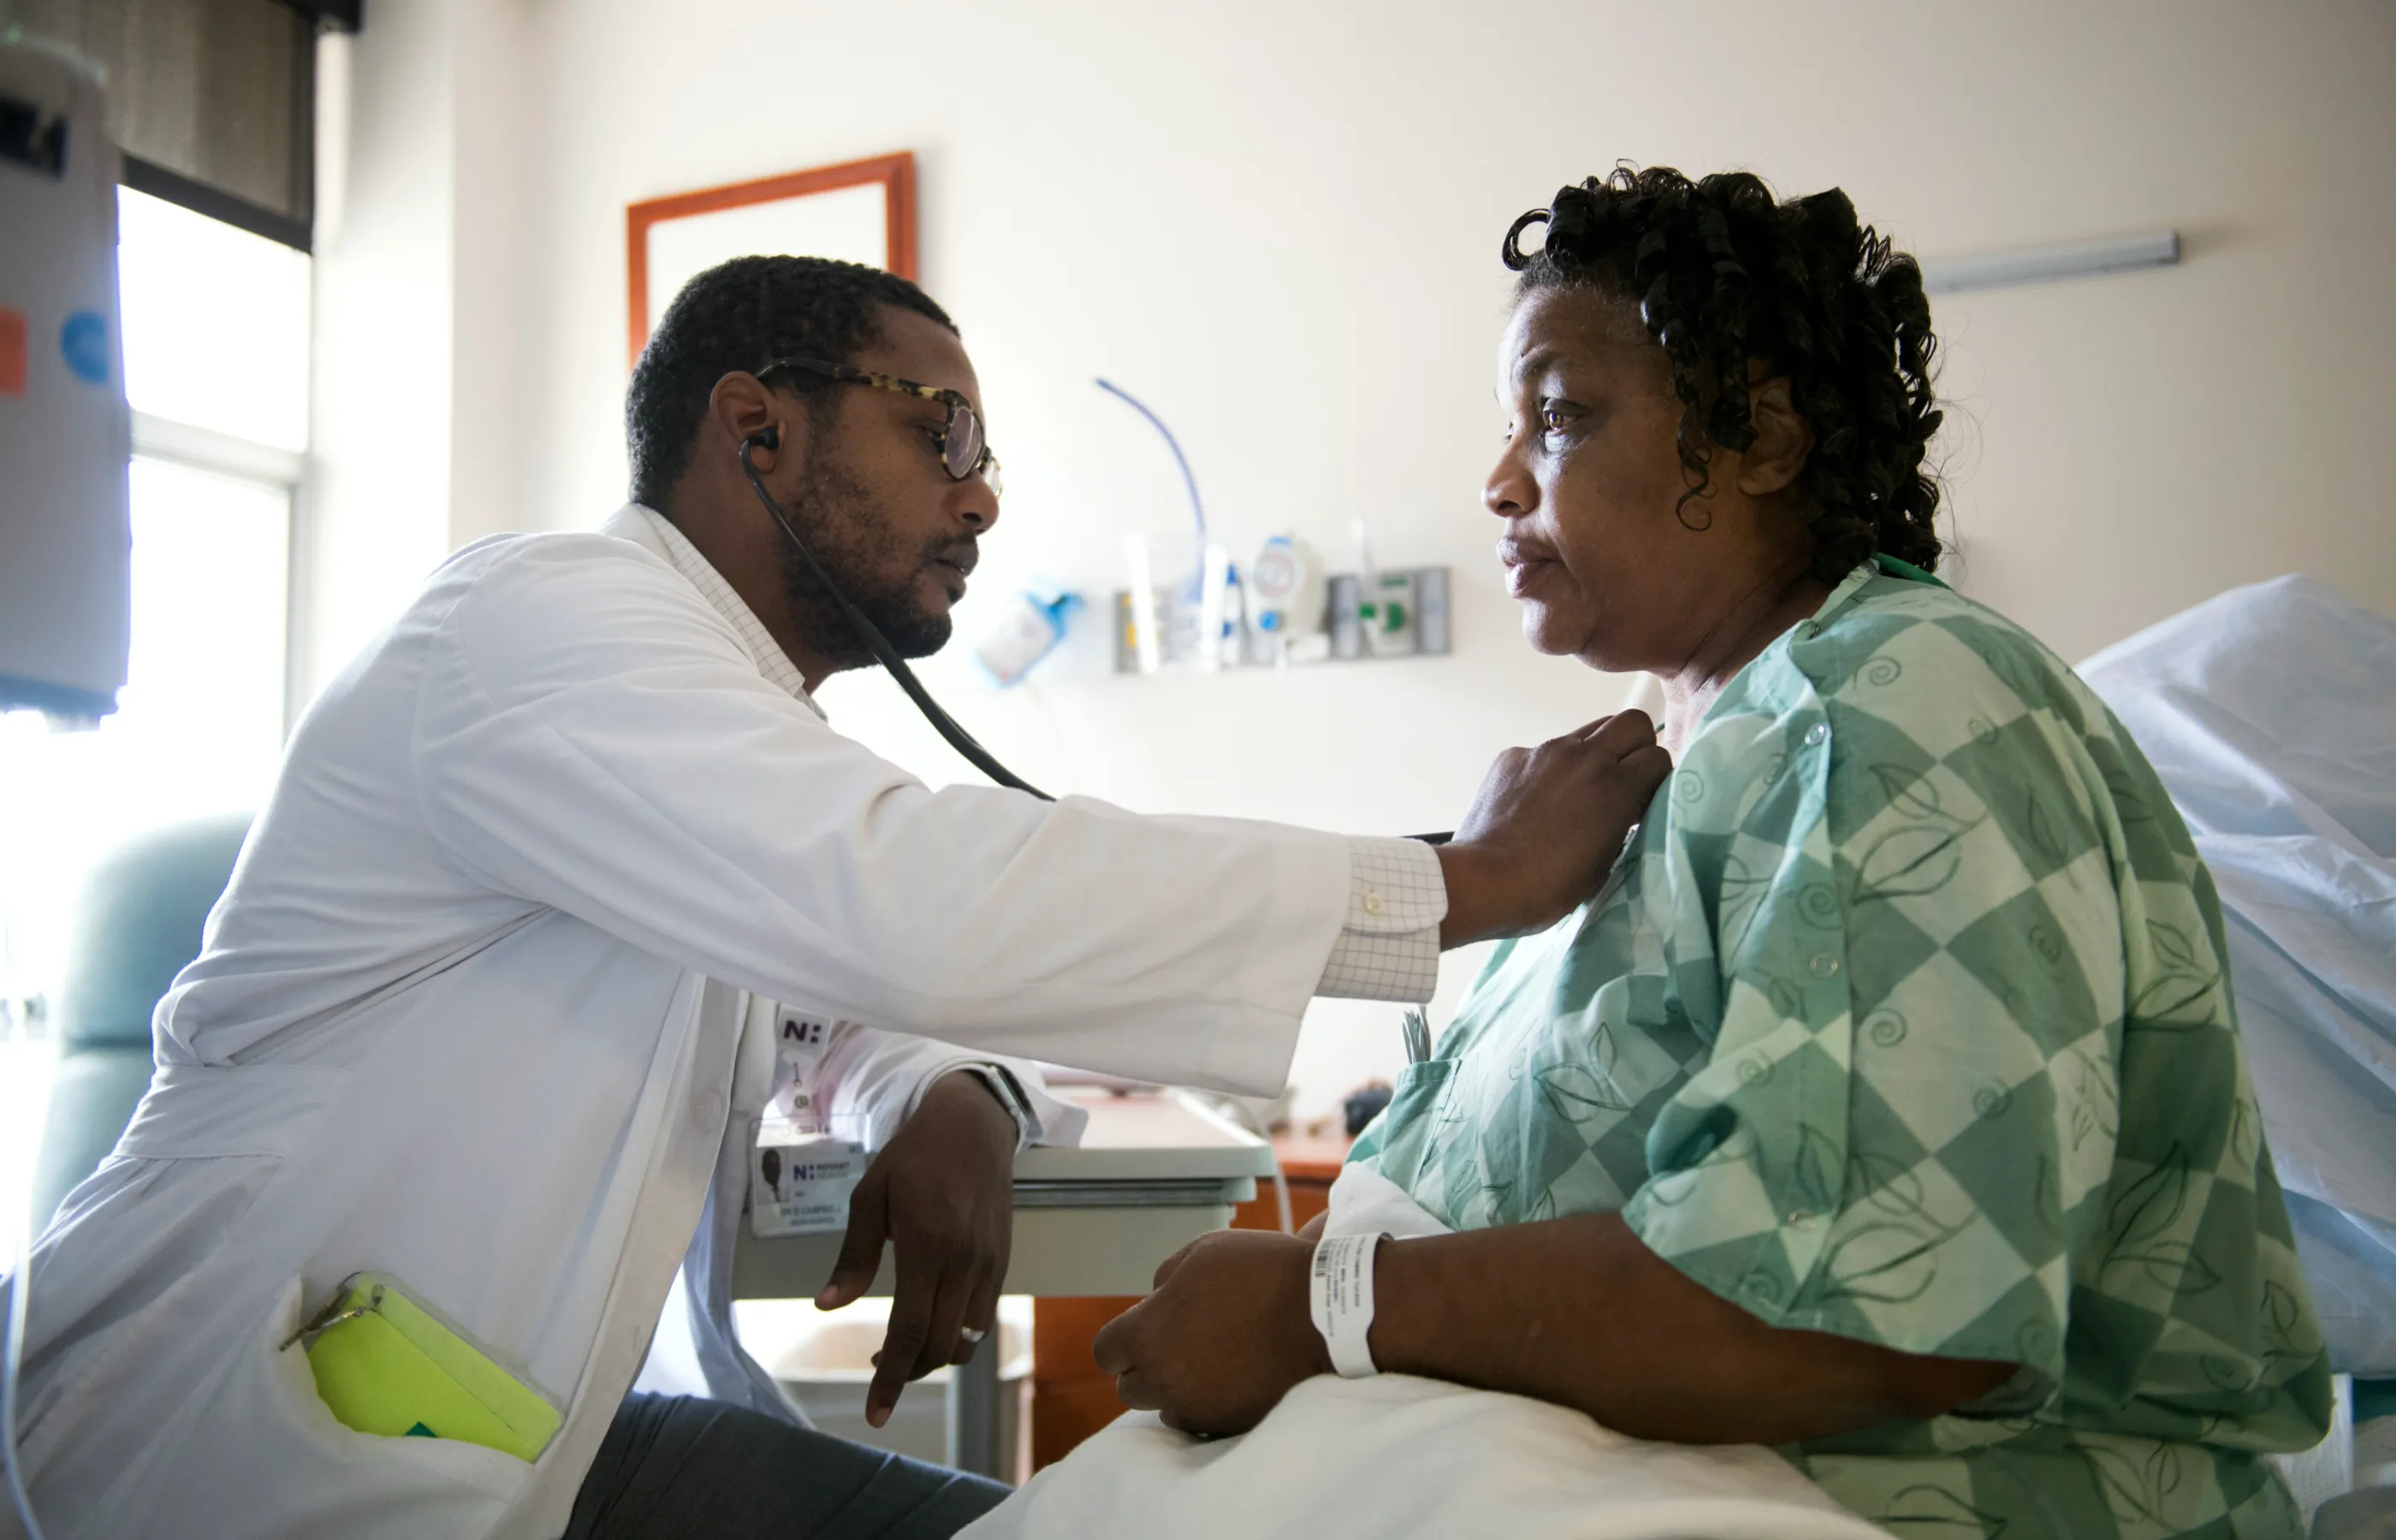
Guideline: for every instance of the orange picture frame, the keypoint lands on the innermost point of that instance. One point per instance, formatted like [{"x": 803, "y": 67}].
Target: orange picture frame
[{"x": 895, "y": 173}]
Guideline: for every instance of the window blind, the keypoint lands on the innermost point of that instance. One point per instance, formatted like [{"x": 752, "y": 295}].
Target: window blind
[{"x": 212, "y": 102}]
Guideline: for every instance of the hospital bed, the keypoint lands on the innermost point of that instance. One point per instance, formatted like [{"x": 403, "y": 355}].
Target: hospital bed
[{"x": 2270, "y": 713}]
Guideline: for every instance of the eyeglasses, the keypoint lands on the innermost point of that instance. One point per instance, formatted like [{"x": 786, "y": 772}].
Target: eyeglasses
[{"x": 964, "y": 451}]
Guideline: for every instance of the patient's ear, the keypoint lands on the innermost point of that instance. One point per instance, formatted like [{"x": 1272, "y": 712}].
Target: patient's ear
[{"x": 1783, "y": 439}]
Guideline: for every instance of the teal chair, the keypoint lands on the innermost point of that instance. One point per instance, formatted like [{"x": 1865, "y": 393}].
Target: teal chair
[{"x": 139, "y": 921}]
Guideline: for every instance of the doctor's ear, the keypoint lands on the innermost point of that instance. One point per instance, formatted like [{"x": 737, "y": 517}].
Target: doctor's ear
[{"x": 752, "y": 416}]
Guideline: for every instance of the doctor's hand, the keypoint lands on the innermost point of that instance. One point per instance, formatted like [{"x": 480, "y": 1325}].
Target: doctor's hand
[
  {"x": 943, "y": 1193},
  {"x": 1546, "y": 828},
  {"x": 1224, "y": 1337}
]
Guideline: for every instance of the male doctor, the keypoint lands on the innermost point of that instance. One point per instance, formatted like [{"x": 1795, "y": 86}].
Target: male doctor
[{"x": 491, "y": 1004}]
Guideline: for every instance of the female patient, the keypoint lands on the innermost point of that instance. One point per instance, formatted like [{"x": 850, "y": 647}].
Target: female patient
[{"x": 1887, "y": 1106}]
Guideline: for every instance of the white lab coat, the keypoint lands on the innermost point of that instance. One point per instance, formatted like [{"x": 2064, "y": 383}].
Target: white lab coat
[{"x": 472, "y": 1014}]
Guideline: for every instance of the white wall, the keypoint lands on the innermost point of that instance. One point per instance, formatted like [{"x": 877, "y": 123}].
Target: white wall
[
  {"x": 416, "y": 411},
  {"x": 370, "y": 519},
  {"x": 1279, "y": 224}
]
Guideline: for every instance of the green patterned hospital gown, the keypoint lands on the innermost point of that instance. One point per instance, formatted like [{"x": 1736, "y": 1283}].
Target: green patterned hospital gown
[{"x": 1905, "y": 1017}]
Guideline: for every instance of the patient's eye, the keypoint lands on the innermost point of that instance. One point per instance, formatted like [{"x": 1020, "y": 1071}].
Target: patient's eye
[{"x": 1557, "y": 418}]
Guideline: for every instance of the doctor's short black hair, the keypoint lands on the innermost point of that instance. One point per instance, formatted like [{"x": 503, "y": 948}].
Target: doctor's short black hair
[
  {"x": 743, "y": 314},
  {"x": 1720, "y": 272}
]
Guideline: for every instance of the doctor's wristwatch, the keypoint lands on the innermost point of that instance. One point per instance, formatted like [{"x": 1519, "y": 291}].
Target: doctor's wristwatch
[{"x": 1009, "y": 1092}]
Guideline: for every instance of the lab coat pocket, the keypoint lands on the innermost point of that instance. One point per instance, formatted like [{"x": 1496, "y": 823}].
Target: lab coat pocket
[
  {"x": 280, "y": 1466},
  {"x": 495, "y": 1471}
]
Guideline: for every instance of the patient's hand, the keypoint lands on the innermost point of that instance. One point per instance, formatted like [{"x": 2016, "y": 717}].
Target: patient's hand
[
  {"x": 1546, "y": 828},
  {"x": 1223, "y": 1337}
]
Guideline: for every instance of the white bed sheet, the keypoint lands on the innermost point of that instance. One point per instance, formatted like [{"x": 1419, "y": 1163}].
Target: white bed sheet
[{"x": 1401, "y": 1458}]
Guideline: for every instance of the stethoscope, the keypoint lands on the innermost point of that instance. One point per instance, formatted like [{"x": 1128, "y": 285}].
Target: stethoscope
[
  {"x": 875, "y": 642},
  {"x": 888, "y": 656}
]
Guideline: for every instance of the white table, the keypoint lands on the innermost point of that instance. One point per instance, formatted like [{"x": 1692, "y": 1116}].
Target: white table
[{"x": 1155, "y": 1171}]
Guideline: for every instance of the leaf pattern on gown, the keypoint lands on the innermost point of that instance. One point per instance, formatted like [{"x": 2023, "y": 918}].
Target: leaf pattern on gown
[
  {"x": 2291, "y": 1336},
  {"x": 1929, "y": 1512},
  {"x": 2094, "y": 1096},
  {"x": 1741, "y": 891},
  {"x": 2129, "y": 799},
  {"x": 2142, "y": 1218},
  {"x": 1890, "y": 1257},
  {"x": 1885, "y": 1262},
  {"x": 1920, "y": 855},
  {"x": 2239, "y": 1374},
  {"x": 1887, "y": 1184},
  {"x": 2168, "y": 1002},
  {"x": 2246, "y": 1131},
  {"x": 1578, "y": 1090},
  {"x": 1811, "y": 1178},
  {"x": 2140, "y": 1490}
]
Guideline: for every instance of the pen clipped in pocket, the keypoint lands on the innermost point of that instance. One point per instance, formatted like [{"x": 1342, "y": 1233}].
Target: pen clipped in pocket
[{"x": 387, "y": 1365}]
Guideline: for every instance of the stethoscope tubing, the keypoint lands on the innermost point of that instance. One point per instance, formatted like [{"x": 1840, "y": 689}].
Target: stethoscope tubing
[
  {"x": 888, "y": 656},
  {"x": 884, "y": 653}
]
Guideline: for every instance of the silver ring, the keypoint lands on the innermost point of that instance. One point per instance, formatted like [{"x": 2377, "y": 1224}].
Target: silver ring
[{"x": 972, "y": 1334}]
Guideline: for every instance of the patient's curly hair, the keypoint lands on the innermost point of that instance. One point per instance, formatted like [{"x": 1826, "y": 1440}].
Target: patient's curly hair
[{"x": 1722, "y": 273}]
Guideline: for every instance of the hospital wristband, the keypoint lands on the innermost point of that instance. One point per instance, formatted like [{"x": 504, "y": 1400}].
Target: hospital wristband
[{"x": 1339, "y": 1297}]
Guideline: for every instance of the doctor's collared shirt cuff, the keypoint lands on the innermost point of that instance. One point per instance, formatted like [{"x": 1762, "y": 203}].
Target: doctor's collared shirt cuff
[{"x": 1389, "y": 945}]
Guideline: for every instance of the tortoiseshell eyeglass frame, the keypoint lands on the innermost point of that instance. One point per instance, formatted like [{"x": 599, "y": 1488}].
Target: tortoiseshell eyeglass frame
[{"x": 961, "y": 411}]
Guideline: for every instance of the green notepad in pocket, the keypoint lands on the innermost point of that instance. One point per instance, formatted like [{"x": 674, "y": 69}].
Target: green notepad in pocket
[{"x": 385, "y": 1365}]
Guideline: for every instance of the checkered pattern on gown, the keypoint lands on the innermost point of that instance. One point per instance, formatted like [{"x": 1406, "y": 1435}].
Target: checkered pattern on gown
[{"x": 1905, "y": 1019}]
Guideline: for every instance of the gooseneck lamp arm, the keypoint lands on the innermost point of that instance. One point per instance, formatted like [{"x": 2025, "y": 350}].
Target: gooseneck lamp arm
[{"x": 1189, "y": 482}]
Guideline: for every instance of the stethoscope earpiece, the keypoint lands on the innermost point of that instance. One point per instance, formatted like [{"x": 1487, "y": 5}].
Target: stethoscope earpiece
[{"x": 884, "y": 653}]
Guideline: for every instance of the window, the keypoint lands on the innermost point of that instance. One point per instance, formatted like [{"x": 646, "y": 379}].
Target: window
[
  {"x": 216, "y": 323},
  {"x": 216, "y": 364}
]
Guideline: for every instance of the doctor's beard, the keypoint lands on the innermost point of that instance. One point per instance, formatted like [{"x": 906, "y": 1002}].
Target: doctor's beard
[{"x": 856, "y": 541}]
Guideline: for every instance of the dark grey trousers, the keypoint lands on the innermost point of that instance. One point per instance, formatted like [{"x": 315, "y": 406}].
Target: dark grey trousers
[{"x": 677, "y": 1467}]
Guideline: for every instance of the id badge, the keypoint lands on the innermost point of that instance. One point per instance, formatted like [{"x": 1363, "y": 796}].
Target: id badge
[
  {"x": 800, "y": 1039},
  {"x": 800, "y": 1044},
  {"x": 799, "y": 1181}
]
